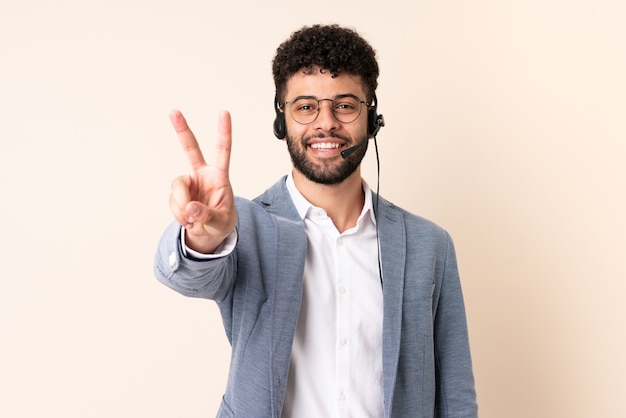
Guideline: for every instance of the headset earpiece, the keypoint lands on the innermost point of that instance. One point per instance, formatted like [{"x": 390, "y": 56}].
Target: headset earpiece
[
  {"x": 280, "y": 129},
  {"x": 374, "y": 120}
]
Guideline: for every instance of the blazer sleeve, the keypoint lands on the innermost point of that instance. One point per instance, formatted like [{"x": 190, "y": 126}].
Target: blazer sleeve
[
  {"x": 456, "y": 395},
  {"x": 208, "y": 279}
]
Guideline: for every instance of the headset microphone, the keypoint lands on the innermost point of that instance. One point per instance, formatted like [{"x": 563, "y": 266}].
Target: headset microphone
[
  {"x": 349, "y": 151},
  {"x": 379, "y": 122}
]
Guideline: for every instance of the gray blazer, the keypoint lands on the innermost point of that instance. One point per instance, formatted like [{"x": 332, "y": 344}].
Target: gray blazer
[{"x": 427, "y": 370}]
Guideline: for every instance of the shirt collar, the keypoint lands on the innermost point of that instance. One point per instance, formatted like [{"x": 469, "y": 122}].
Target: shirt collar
[{"x": 304, "y": 207}]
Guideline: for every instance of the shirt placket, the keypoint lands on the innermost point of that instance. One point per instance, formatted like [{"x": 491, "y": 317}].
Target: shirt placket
[{"x": 343, "y": 301}]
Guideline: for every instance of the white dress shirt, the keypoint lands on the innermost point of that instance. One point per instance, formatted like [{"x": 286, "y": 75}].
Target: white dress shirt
[{"x": 336, "y": 360}]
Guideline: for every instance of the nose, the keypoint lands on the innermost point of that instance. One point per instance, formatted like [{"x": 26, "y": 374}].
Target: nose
[{"x": 326, "y": 119}]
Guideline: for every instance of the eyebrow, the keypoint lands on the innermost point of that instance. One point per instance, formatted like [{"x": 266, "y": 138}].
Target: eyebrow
[{"x": 339, "y": 96}]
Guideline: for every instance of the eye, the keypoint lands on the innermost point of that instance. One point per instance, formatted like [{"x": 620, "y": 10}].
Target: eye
[
  {"x": 346, "y": 106},
  {"x": 305, "y": 106}
]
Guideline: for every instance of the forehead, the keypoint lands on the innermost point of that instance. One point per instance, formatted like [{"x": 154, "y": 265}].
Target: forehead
[{"x": 323, "y": 85}]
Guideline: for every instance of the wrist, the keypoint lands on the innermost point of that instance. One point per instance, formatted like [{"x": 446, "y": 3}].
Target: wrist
[{"x": 203, "y": 244}]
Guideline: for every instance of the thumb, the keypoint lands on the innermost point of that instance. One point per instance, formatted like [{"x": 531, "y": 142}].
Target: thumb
[{"x": 196, "y": 212}]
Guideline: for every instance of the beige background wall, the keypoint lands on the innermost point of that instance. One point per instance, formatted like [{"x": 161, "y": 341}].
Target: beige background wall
[{"x": 505, "y": 124}]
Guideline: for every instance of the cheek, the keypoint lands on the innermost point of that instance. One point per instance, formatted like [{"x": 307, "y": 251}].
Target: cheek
[
  {"x": 295, "y": 130},
  {"x": 360, "y": 128}
]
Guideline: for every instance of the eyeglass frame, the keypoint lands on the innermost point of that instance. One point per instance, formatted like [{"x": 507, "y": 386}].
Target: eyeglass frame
[{"x": 319, "y": 107}]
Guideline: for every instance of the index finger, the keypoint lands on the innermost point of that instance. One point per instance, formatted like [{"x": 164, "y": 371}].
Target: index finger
[
  {"x": 224, "y": 141},
  {"x": 188, "y": 140}
]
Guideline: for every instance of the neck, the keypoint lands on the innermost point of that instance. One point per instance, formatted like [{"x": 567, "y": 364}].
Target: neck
[{"x": 343, "y": 202}]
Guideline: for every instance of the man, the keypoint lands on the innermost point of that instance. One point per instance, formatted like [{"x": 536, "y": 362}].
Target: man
[{"x": 336, "y": 302}]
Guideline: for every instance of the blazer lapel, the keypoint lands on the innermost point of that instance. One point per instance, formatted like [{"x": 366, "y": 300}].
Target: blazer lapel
[
  {"x": 287, "y": 283},
  {"x": 392, "y": 236},
  {"x": 276, "y": 200}
]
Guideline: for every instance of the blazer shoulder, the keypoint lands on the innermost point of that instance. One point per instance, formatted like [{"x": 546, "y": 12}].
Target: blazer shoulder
[{"x": 412, "y": 222}]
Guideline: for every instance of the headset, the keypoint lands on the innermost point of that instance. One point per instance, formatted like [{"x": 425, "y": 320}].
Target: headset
[{"x": 374, "y": 120}]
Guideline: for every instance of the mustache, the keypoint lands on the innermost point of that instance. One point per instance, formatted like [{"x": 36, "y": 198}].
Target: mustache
[{"x": 325, "y": 135}]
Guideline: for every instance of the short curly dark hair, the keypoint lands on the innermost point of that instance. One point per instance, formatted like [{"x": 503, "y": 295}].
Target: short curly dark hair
[{"x": 331, "y": 48}]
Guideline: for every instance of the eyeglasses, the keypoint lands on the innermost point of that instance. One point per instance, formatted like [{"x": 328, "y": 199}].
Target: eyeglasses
[{"x": 346, "y": 108}]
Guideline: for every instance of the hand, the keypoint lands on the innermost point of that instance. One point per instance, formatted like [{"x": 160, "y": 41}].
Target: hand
[{"x": 203, "y": 201}]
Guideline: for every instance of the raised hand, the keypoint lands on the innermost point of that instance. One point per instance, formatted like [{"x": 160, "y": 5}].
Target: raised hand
[{"x": 203, "y": 200}]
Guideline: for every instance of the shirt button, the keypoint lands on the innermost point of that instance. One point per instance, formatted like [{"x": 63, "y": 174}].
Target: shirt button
[
  {"x": 342, "y": 290},
  {"x": 342, "y": 396},
  {"x": 343, "y": 341}
]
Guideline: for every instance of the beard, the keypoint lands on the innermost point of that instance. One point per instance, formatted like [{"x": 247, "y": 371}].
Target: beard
[{"x": 327, "y": 171}]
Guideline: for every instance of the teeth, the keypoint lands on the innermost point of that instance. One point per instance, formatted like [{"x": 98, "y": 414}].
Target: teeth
[{"x": 325, "y": 145}]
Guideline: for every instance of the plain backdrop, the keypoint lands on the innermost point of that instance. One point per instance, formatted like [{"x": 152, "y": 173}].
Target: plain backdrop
[{"x": 505, "y": 125}]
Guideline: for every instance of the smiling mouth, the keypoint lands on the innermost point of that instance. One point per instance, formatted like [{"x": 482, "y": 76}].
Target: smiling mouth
[{"x": 325, "y": 145}]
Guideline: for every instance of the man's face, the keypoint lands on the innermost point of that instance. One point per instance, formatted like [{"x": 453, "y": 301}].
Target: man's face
[{"x": 315, "y": 148}]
